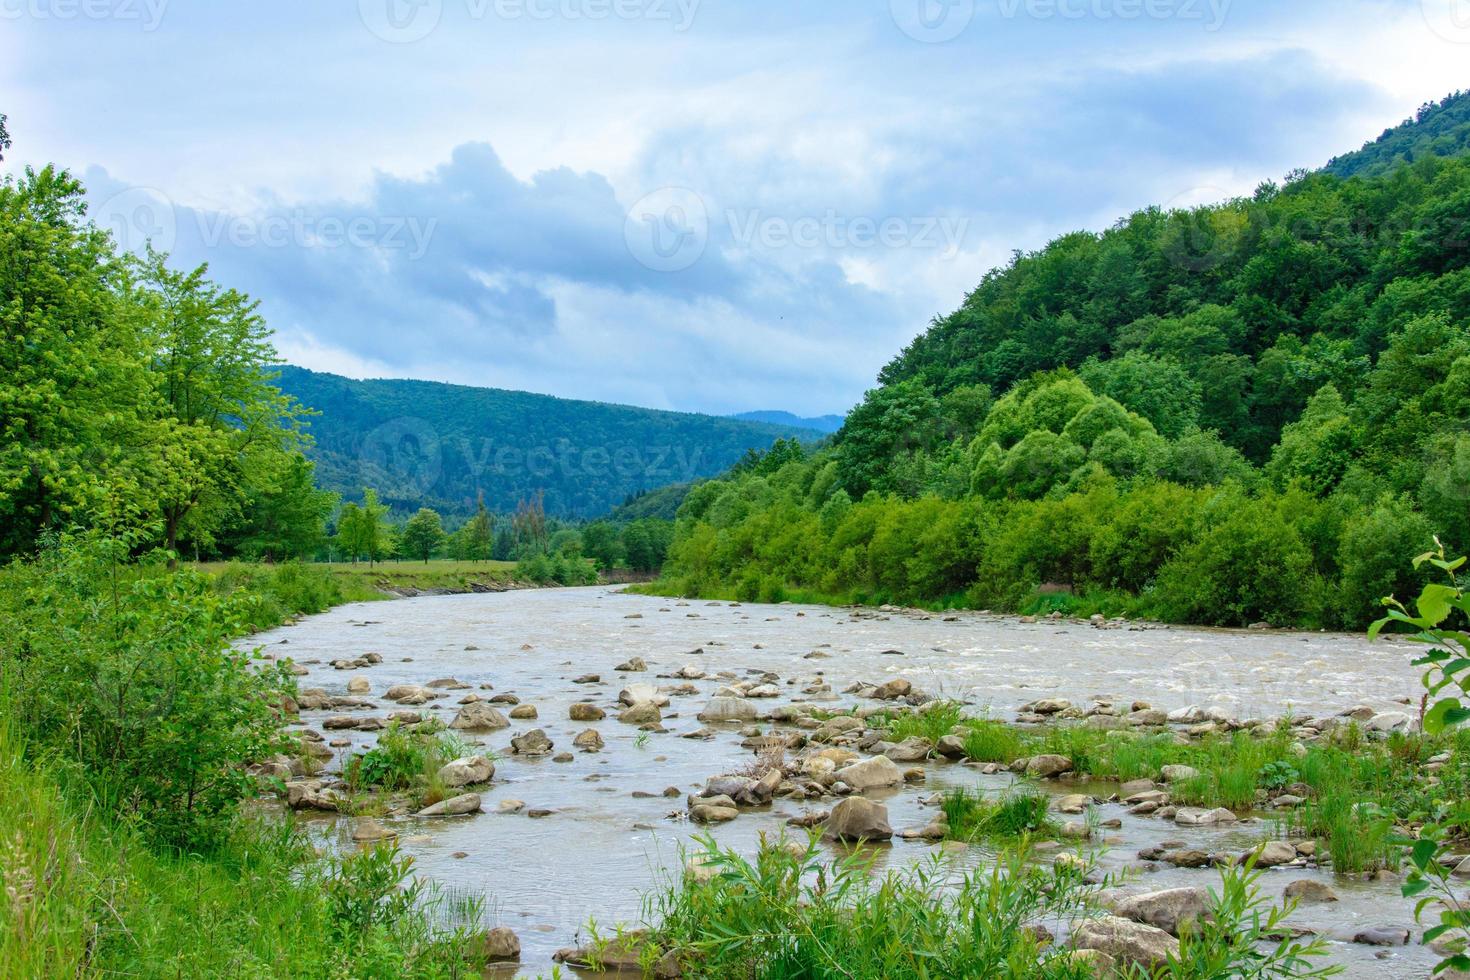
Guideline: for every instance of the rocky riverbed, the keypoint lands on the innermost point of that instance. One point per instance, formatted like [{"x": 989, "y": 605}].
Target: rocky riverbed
[{"x": 609, "y": 721}]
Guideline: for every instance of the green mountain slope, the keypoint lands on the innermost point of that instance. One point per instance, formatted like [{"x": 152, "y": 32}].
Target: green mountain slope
[
  {"x": 1437, "y": 129},
  {"x": 423, "y": 443},
  {"x": 1250, "y": 411}
]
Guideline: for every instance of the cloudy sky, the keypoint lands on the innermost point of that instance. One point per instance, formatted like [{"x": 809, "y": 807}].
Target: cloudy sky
[{"x": 707, "y": 205}]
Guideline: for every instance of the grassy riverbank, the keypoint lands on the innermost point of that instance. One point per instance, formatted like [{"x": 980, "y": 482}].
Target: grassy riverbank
[{"x": 129, "y": 845}]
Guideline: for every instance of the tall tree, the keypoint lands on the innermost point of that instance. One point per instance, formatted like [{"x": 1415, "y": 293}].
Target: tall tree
[
  {"x": 223, "y": 428},
  {"x": 479, "y": 534},
  {"x": 423, "y": 534},
  {"x": 71, "y": 364}
]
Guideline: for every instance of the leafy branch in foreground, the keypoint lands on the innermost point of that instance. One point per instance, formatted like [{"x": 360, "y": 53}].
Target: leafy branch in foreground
[{"x": 1446, "y": 678}]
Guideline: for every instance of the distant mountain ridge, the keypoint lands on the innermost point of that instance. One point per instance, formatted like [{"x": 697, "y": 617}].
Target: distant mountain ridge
[
  {"x": 821, "y": 423},
  {"x": 427, "y": 443}
]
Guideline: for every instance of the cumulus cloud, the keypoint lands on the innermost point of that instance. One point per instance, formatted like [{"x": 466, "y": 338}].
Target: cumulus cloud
[{"x": 755, "y": 210}]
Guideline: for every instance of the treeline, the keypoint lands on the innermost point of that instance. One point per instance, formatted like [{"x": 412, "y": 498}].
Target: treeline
[
  {"x": 1236, "y": 413},
  {"x": 545, "y": 548},
  {"x": 134, "y": 395}
]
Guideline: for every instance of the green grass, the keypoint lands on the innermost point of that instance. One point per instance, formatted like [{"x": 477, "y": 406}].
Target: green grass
[
  {"x": 84, "y": 896},
  {"x": 933, "y": 721},
  {"x": 993, "y": 741},
  {"x": 973, "y": 817},
  {"x": 792, "y": 916},
  {"x": 407, "y": 759}
]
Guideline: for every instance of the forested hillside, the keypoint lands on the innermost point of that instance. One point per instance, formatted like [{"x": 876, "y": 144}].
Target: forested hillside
[
  {"x": 423, "y": 443},
  {"x": 1437, "y": 129},
  {"x": 1235, "y": 413}
]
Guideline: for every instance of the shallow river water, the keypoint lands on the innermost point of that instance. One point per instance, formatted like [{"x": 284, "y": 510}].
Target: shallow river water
[{"x": 601, "y": 849}]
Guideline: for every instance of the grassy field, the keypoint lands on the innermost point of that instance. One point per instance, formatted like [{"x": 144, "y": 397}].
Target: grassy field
[{"x": 359, "y": 582}]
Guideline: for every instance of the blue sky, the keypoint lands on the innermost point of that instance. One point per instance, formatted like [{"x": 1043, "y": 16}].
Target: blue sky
[{"x": 705, "y": 205}]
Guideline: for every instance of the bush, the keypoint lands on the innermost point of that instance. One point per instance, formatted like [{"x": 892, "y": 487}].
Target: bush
[{"x": 127, "y": 674}]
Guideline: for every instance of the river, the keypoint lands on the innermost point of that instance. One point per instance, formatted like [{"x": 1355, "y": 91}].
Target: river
[{"x": 602, "y": 848}]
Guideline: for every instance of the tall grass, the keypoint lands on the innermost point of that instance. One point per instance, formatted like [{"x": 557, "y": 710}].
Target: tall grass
[
  {"x": 972, "y": 816},
  {"x": 790, "y": 916},
  {"x": 933, "y": 721}
]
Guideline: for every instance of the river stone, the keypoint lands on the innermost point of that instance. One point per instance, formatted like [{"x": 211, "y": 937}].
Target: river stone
[
  {"x": 1273, "y": 853},
  {"x": 1127, "y": 941},
  {"x": 499, "y": 945},
  {"x": 639, "y": 693},
  {"x": 1176, "y": 774},
  {"x": 1388, "y": 721},
  {"x": 367, "y": 830},
  {"x": 1134, "y": 786},
  {"x": 523, "y": 712},
  {"x": 359, "y": 685},
  {"x": 479, "y": 717},
  {"x": 642, "y": 713},
  {"x": 1071, "y": 803},
  {"x": 893, "y": 690},
  {"x": 1187, "y": 858},
  {"x": 1147, "y": 717},
  {"x": 447, "y": 684},
  {"x": 859, "y": 819},
  {"x": 456, "y": 806},
  {"x": 632, "y": 665},
  {"x": 707, "y": 813},
  {"x": 533, "y": 742},
  {"x": 1166, "y": 910},
  {"x": 912, "y": 749},
  {"x": 403, "y": 692},
  {"x": 875, "y": 773},
  {"x": 1196, "y": 817},
  {"x": 339, "y": 722},
  {"x": 1383, "y": 936},
  {"x": 1050, "y": 706},
  {"x": 588, "y": 741},
  {"x": 587, "y": 712},
  {"x": 1048, "y": 765},
  {"x": 729, "y": 709},
  {"x": 951, "y": 747},
  {"x": 1309, "y": 892},
  {"x": 468, "y": 771}
]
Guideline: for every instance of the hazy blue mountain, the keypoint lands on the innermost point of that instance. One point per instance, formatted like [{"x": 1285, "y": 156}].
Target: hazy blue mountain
[
  {"x": 821, "y": 423},
  {"x": 425, "y": 443}
]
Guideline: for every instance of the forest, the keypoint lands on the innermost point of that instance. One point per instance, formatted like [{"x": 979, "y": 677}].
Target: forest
[
  {"x": 428, "y": 444},
  {"x": 1234, "y": 414}
]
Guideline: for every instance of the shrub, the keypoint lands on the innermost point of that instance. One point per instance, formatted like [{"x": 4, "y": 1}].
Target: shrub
[{"x": 127, "y": 674}]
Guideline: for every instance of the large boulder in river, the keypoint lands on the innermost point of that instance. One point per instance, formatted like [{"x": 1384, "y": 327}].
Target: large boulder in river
[
  {"x": 893, "y": 690},
  {"x": 859, "y": 819},
  {"x": 729, "y": 709},
  {"x": 533, "y": 742},
  {"x": 468, "y": 771},
  {"x": 642, "y": 713},
  {"x": 500, "y": 944},
  {"x": 587, "y": 712},
  {"x": 479, "y": 717},
  {"x": 875, "y": 773},
  {"x": 1167, "y": 910},
  {"x": 1126, "y": 941},
  {"x": 453, "y": 807},
  {"x": 1044, "y": 766}
]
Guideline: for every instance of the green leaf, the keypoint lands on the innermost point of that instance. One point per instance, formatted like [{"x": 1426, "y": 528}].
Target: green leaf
[{"x": 1444, "y": 714}]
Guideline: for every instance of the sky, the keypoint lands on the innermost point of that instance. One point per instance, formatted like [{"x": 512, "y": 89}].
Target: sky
[{"x": 700, "y": 205}]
